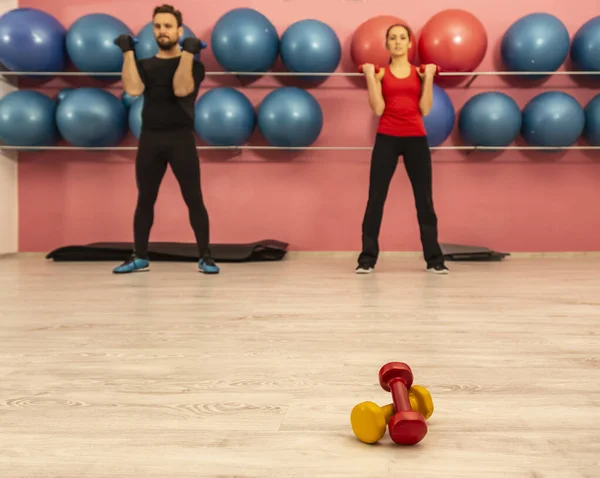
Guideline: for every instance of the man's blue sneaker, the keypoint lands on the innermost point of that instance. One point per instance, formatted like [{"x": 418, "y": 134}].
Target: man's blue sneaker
[
  {"x": 208, "y": 266},
  {"x": 135, "y": 264}
]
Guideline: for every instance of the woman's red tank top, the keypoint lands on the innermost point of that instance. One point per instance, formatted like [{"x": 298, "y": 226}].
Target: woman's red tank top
[{"x": 401, "y": 116}]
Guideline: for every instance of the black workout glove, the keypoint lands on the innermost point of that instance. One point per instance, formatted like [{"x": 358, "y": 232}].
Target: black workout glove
[
  {"x": 124, "y": 42},
  {"x": 191, "y": 45}
]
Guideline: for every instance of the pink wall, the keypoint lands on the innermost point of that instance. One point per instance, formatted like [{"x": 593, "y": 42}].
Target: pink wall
[{"x": 514, "y": 201}]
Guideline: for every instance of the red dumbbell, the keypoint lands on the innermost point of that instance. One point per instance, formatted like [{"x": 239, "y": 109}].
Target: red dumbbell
[
  {"x": 377, "y": 68},
  {"x": 406, "y": 427},
  {"x": 421, "y": 69},
  {"x": 437, "y": 70}
]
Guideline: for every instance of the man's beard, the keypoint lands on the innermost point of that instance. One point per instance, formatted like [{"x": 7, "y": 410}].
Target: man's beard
[{"x": 165, "y": 45}]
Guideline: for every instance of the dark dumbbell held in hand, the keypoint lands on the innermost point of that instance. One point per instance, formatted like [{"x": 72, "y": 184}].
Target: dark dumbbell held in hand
[
  {"x": 190, "y": 44},
  {"x": 125, "y": 43}
]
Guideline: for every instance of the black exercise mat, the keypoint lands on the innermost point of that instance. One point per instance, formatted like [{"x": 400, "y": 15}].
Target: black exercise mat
[
  {"x": 457, "y": 252},
  {"x": 266, "y": 250}
]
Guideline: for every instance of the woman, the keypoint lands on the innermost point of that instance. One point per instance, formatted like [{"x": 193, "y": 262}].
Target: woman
[{"x": 401, "y": 95}]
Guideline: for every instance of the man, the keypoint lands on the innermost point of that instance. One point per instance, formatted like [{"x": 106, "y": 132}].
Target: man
[{"x": 169, "y": 82}]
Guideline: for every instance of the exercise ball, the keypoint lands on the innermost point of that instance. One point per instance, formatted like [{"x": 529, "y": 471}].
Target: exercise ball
[
  {"x": 128, "y": 100},
  {"x": 90, "y": 43},
  {"x": 224, "y": 117},
  {"x": 27, "y": 118},
  {"x": 290, "y": 117},
  {"x": 535, "y": 42},
  {"x": 146, "y": 46},
  {"x": 489, "y": 119},
  {"x": 245, "y": 40},
  {"x": 62, "y": 94},
  {"x": 553, "y": 118},
  {"x": 32, "y": 40},
  {"x": 134, "y": 118},
  {"x": 369, "y": 41},
  {"x": 91, "y": 117},
  {"x": 591, "y": 131},
  {"x": 440, "y": 120},
  {"x": 310, "y": 46},
  {"x": 454, "y": 39},
  {"x": 585, "y": 48}
]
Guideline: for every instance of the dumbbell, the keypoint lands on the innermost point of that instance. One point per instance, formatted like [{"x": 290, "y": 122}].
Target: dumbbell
[
  {"x": 377, "y": 68},
  {"x": 406, "y": 426},
  {"x": 203, "y": 44},
  {"x": 437, "y": 69},
  {"x": 369, "y": 420},
  {"x": 421, "y": 69}
]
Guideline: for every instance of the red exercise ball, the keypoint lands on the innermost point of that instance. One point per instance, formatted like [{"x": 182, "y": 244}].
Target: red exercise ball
[
  {"x": 368, "y": 41},
  {"x": 453, "y": 39}
]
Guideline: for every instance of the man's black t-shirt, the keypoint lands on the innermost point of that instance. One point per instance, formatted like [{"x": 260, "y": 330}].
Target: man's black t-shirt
[{"x": 162, "y": 109}]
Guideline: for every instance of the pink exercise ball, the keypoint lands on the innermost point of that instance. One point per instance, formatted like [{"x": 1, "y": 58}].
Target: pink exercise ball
[
  {"x": 453, "y": 39},
  {"x": 368, "y": 41}
]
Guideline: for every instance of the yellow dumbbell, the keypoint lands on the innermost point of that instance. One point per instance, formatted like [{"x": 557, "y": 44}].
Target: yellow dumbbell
[
  {"x": 421, "y": 401},
  {"x": 369, "y": 420}
]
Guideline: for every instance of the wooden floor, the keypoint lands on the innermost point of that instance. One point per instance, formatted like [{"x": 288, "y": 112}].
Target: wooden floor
[{"x": 253, "y": 373}]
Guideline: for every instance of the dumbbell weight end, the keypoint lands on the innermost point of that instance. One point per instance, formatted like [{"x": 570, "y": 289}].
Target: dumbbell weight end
[
  {"x": 369, "y": 421},
  {"x": 421, "y": 401}
]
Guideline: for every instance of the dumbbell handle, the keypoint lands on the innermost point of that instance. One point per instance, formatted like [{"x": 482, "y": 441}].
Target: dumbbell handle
[
  {"x": 400, "y": 395},
  {"x": 388, "y": 411}
]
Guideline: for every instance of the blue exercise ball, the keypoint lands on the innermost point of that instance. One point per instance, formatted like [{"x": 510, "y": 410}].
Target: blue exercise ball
[
  {"x": 489, "y": 119},
  {"x": 27, "y": 118},
  {"x": 128, "y": 100},
  {"x": 146, "y": 46},
  {"x": 245, "y": 40},
  {"x": 535, "y": 42},
  {"x": 591, "y": 131},
  {"x": 224, "y": 117},
  {"x": 290, "y": 117},
  {"x": 90, "y": 43},
  {"x": 310, "y": 46},
  {"x": 32, "y": 40},
  {"x": 91, "y": 117},
  {"x": 440, "y": 120},
  {"x": 553, "y": 118},
  {"x": 62, "y": 94},
  {"x": 585, "y": 48},
  {"x": 135, "y": 117}
]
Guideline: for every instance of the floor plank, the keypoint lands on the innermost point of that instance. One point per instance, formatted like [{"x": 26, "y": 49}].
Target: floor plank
[{"x": 253, "y": 373}]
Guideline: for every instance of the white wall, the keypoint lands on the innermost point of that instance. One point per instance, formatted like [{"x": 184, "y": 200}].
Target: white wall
[{"x": 9, "y": 205}]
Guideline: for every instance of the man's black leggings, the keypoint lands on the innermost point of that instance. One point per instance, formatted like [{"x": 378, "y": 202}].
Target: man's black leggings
[
  {"x": 156, "y": 150},
  {"x": 417, "y": 160}
]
